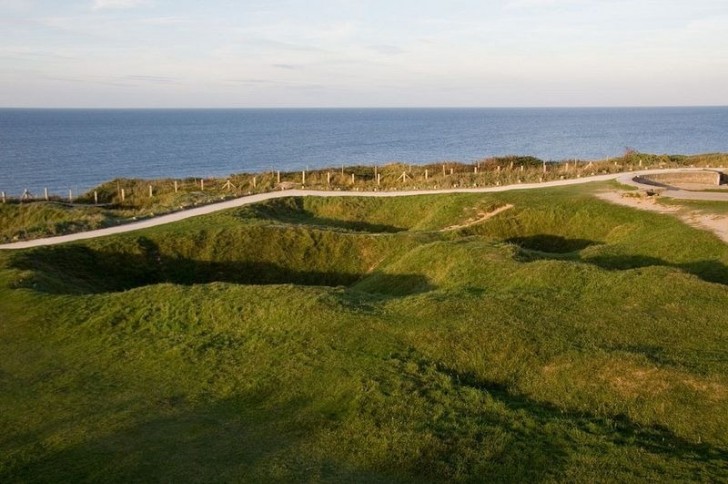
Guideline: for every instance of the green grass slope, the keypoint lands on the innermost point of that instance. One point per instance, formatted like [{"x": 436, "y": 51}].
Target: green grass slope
[
  {"x": 33, "y": 220},
  {"x": 353, "y": 339}
]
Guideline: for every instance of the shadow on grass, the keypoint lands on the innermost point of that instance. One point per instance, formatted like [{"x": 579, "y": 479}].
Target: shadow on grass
[
  {"x": 707, "y": 270},
  {"x": 550, "y": 247},
  {"x": 78, "y": 269},
  {"x": 292, "y": 211},
  {"x": 231, "y": 440},
  {"x": 551, "y": 243},
  {"x": 257, "y": 438},
  {"x": 618, "y": 430}
]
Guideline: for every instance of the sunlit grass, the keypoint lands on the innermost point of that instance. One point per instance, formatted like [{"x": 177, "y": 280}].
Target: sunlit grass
[{"x": 564, "y": 339}]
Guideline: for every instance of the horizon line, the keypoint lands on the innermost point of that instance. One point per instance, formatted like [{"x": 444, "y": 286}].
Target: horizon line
[{"x": 234, "y": 108}]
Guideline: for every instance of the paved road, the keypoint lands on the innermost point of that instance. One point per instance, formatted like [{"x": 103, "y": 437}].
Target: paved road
[
  {"x": 626, "y": 178},
  {"x": 672, "y": 192}
]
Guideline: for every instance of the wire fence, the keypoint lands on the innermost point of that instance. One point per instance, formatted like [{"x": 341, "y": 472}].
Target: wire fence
[{"x": 395, "y": 176}]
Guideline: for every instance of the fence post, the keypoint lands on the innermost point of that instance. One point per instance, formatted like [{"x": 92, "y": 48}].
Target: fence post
[
  {"x": 96, "y": 197},
  {"x": 328, "y": 178},
  {"x": 70, "y": 196},
  {"x": 175, "y": 186},
  {"x": 202, "y": 184},
  {"x": 352, "y": 178},
  {"x": 278, "y": 176},
  {"x": 3, "y": 197},
  {"x": 303, "y": 177},
  {"x": 151, "y": 191},
  {"x": 123, "y": 195},
  {"x": 426, "y": 175},
  {"x": 255, "y": 182},
  {"x": 45, "y": 193}
]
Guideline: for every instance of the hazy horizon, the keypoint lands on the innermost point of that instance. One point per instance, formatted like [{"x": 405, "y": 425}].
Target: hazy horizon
[{"x": 223, "y": 108}]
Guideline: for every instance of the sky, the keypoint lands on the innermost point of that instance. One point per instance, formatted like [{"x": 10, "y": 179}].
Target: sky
[{"x": 366, "y": 53}]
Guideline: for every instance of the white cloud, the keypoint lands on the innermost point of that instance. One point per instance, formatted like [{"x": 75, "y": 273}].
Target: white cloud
[
  {"x": 466, "y": 52},
  {"x": 537, "y": 4},
  {"x": 17, "y": 5},
  {"x": 102, "y": 4},
  {"x": 170, "y": 20}
]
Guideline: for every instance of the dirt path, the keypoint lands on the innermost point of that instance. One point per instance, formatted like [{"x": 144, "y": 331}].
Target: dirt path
[
  {"x": 482, "y": 217},
  {"x": 718, "y": 224},
  {"x": 238, "y": 202}
]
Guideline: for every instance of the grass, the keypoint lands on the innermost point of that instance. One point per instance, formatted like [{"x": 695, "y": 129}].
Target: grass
[
  {"x": 33, "y": 220},
  {"x": 703, "y": 206},
  {"x": 351, "y": 339},
  {"x": 121, "y": 200}
]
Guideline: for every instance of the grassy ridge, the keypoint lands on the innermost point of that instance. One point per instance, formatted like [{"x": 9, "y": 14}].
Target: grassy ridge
[
  {"x": 125, "y": 199},
  {"x": 564, "y": 339},
  {"x": 34, "y": 220}
]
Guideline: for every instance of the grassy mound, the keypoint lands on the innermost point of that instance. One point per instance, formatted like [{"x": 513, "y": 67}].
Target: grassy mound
[
  {"x": 32, "y": 220},
  {"x": 353, "y": 339},
  {"x": 257, "y": 255}
]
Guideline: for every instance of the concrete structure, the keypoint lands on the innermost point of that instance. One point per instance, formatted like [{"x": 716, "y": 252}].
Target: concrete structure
[{"x": 686, "y": 179}]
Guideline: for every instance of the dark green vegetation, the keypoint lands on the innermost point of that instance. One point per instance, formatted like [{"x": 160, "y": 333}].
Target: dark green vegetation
[
  {"x": 351, "y": 339},
  {"x": 124, "y": 199},
  {"x": 33, "y": 220}
]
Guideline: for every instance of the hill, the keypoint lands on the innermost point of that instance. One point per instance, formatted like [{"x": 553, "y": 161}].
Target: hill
[{"x": 361, "y": 339}]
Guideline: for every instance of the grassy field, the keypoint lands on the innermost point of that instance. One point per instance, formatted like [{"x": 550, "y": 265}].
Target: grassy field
[{"x": 353, "y": 339}]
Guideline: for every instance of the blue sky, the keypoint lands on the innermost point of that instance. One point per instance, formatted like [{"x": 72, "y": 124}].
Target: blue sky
[{"x": 321, "y": 53}]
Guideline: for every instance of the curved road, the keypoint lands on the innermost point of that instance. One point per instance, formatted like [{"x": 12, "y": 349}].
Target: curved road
[{"x": 625, "y": 178}]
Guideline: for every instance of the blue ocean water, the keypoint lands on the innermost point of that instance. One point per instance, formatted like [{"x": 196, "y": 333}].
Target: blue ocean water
[{"x": 78, "y": 149}]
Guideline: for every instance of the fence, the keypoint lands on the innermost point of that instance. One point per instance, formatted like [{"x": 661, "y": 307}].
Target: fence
[{"x": 396, "y": 176}]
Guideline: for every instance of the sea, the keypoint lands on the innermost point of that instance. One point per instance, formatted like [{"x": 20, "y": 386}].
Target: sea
[{"x": 77, "y": 149}]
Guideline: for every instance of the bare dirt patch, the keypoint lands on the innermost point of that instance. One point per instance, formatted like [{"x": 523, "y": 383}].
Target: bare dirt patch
[
  {"x": 631, "y": 381},
  {"x": 480, "y": 217},
  {"x": 717, "y": 224},
  {"x": 713, "y": 390},
  {"x": 639, "y": 381}
]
